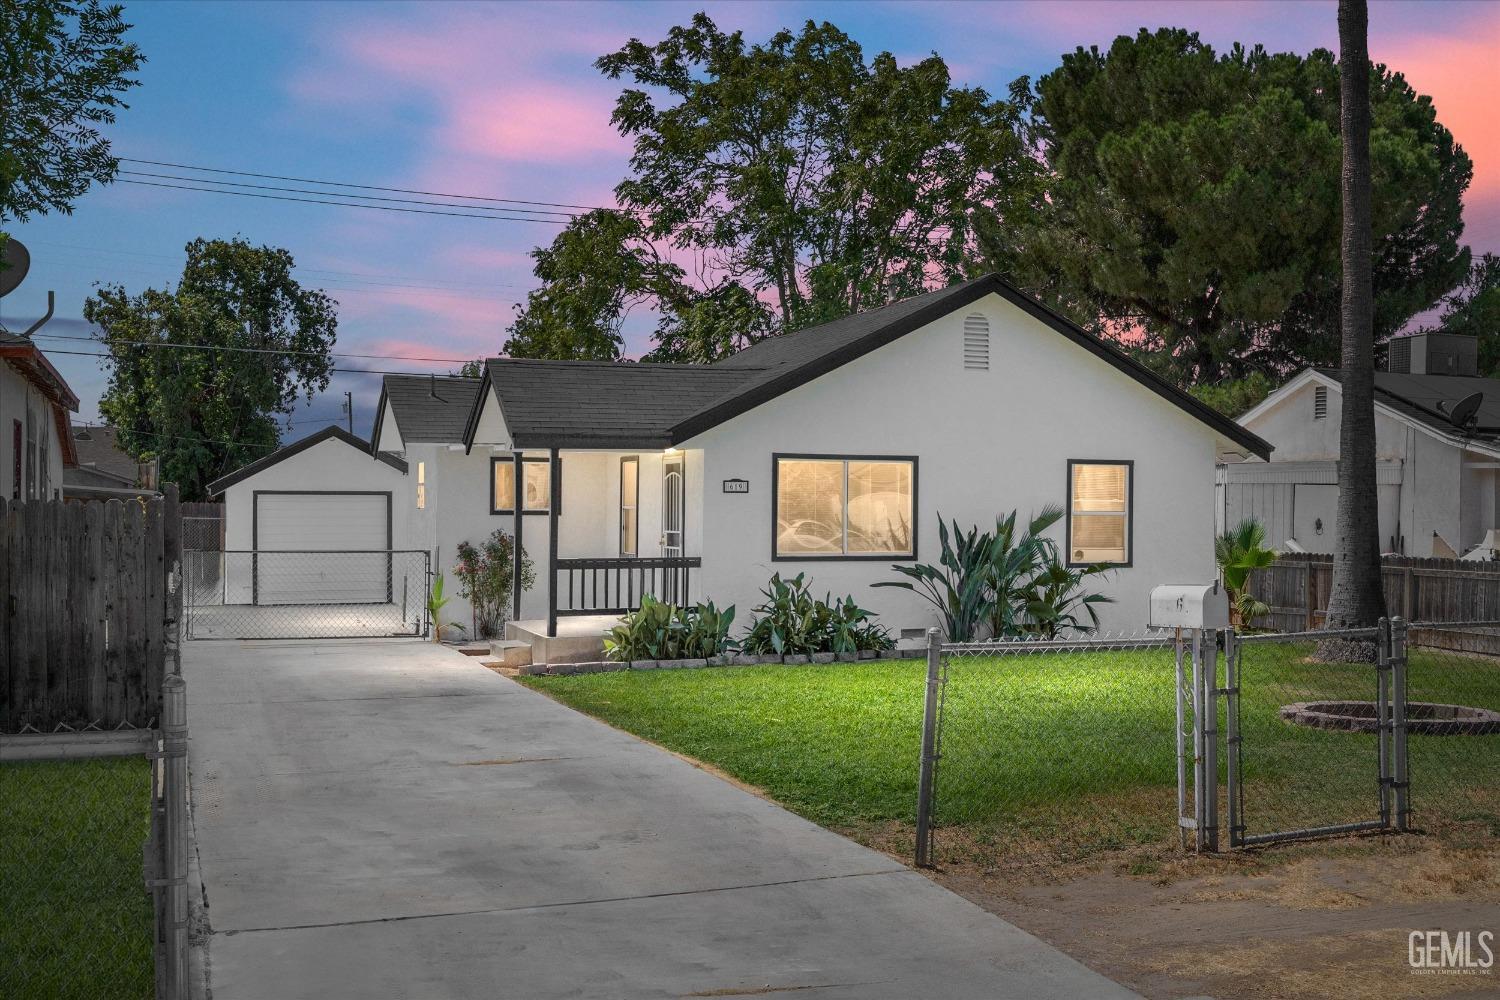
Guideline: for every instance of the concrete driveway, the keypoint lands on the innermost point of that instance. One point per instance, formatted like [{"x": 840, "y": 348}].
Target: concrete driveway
[{"x": 390, "y": 819}]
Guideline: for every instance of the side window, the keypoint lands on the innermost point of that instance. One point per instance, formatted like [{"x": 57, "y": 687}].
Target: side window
[
  {"x": 630, "y": 495},
  {"x": 1099, "y": 512}
]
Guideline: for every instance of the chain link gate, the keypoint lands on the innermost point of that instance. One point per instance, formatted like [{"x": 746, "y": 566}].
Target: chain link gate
[
  {"x": 258, "y": 594},
  {"x": 1317, "y": 743}
]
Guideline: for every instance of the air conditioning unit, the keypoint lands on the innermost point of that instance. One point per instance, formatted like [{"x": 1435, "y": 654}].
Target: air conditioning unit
[{"x": 1433, "y": 354}]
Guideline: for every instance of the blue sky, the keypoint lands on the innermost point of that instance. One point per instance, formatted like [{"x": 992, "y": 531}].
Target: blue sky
[{"x": 502, "y": 100}]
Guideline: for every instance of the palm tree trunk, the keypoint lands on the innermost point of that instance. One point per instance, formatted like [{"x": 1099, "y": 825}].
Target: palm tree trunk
[{"x": 1358, "y": 598}]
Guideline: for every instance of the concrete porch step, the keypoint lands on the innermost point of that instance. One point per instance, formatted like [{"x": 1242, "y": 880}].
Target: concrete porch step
[{"x": 510, "y": 652}]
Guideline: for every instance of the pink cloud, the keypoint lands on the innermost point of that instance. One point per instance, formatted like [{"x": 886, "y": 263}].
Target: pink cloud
[{"x": 534, "y": 124}]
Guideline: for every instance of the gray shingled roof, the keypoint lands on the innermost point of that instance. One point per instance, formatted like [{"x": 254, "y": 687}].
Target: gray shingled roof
[
  {"x": 1418, "y": 396},
  {"x": 427, "y": 408},
  {"x": 602, "y": 404},
  {"x": 97, "y": 449},
  {"x": 577, "y": 404}
]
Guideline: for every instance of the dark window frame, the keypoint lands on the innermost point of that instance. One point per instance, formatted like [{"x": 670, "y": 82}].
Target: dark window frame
[
  {"x": 1129, "y": 464},
  {"x": 508, "y": 509},
  {"x": 776, "y": 458},
  {"x": 635, "y": 550}
]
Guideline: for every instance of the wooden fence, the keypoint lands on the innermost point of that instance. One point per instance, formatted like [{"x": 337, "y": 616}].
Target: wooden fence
[
  {"x": 1296, "y": 588},
  {"x": 90, "y": 613}
]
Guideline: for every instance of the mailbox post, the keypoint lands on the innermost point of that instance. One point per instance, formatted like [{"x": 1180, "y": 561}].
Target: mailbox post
[{"x": 1197, "y": 612}]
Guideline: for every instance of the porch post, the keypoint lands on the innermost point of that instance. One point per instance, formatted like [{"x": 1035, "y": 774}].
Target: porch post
[
  {"x": 554, "y": 479},
  {"x": 515, "y": 554}
]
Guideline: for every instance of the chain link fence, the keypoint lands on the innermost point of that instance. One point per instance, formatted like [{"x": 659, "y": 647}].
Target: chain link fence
[
  {"x": 94, "y": 866},
  {"x": 1037, "y": 754},
  {"x": 1453, "y": 726},
  {"x": 306, "y": 595},
  {"x": 1048, "y": 752}
]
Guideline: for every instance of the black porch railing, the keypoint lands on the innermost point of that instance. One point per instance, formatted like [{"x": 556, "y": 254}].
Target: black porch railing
[{"x": 614, "y": 586}]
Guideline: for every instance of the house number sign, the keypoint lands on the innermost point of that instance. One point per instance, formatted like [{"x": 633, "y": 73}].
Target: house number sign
[{"x": 736, "y": 486}]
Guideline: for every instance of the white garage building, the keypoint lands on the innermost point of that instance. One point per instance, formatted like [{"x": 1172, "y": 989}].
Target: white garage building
[{"x": 314, "y": 524}]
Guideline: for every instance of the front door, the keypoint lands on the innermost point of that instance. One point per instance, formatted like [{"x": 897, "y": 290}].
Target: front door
[
  {"x": 671, "y": 507},
  {"x": 674, "y": 589}
]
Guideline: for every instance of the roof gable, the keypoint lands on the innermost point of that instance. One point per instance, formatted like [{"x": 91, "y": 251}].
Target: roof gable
[
  {"x": 429, "y": 409},
  {"x": 583, "y": 404},
  {"x": 334, "y": 433}
]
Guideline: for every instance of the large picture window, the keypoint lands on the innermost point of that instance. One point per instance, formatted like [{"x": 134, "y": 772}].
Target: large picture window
[
  {"x": 630, "y": 495},
  {"x": 1099, "y": 512},
  {"x": 536, "y": 488},
  {"x": 852, "y": 508}
]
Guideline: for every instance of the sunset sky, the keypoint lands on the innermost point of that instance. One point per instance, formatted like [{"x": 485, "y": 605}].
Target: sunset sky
[{"x": 503, "y": 101}]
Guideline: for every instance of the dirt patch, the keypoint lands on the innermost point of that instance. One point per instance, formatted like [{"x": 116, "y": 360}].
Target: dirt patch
[{"x": 1308, "y": 920}]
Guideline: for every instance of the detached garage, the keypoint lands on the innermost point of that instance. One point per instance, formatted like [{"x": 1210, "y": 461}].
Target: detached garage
[{"x": 310, "y": 547}]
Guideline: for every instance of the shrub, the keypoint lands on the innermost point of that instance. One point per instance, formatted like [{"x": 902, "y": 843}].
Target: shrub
[
  {"x": 484, "y": 578},
  {"x": 792, "y": 621},
  {"x": 660, "y": 631},
  {"x": 1009, "y": 582}
]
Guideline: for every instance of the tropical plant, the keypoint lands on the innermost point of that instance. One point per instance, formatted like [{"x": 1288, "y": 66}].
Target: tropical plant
[
  {"x": 1239, "y": 552},
  {"x": 959, "y": 586},
  {"x": 1009, "y": 582},
  {"x": 1055, "y": 601},
  {"x": 436, "y": 602},
  {"x": 485, "y": 580},
  {"x": 791, "y": 622},
  {"x": 661, "y": 631}
]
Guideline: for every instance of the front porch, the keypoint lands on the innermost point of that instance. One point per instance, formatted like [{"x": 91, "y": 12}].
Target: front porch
[{"x": 637, "y": 503}]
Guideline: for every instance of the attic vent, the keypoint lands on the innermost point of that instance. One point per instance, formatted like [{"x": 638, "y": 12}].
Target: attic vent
[
  {"x": 1320, "y": 402},
  {"x": 976, "y": 342}
]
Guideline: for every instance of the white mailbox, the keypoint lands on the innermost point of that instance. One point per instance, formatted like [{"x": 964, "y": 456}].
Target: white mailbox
[{"x": 1190, "y": 606}]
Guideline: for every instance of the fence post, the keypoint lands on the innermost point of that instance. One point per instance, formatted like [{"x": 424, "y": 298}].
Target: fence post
[
  {"x": 172, "y": 560},
  {"x": 1307, "y": 596},
  {"x": 1383, "y": 715},
  {"x": 1181, "y": 744},
  {"x": 1400, "y": 779},
  {"x": 1209, "y": 654},
  {"x": 1232, "y": 738},
  {"x": 175, "y": 841},
  {"x": 929, "y": 750}
]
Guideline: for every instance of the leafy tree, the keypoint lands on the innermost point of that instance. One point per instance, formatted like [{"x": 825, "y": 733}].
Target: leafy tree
[
  {"x": 704, "y": 328},
  {"x": 1240, "y": 551},
  {"x": 1189, "y": 203},
  {"x": 470, "y": 369},
  {"x": 594, "y": 272},
  {"x": 1357, "y": 597},
  {"x": 1233, "y": 397},
  {"x": 63, "y": 67},
  {"x": 205, "y": 412},
  {"x": 1473, "y": 309},
  {"x": 797, "y": 166}
]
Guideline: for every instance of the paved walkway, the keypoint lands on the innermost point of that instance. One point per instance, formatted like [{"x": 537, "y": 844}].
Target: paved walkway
[{"x": 389, "y": 819}]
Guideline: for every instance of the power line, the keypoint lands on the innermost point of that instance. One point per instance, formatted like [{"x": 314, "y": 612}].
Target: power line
[
  {"x": 395, "y": 280},
  {"x": 339, "y": 204},
  {"x": 248, "y": 350},
  {"x": 568, "y": 216},
  {"x": 344, "y": 371},
  {"x": 372, "y": 187}
]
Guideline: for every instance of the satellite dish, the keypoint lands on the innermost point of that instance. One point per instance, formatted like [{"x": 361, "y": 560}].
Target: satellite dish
[
  {"x": 17, "y": 262},
  {"x": 1465, "y": 412}
]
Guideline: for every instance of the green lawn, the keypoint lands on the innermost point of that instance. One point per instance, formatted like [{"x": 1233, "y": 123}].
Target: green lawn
[
  {"x": 1067, "y": 751},
  {"x": 76, "y": 918}
]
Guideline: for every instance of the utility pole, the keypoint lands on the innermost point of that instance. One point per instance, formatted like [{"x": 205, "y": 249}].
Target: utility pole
[{"x": 349, "y": 409}]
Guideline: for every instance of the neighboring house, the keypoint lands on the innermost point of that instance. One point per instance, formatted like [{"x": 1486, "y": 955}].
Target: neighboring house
[
  {"x": 831, "y": 451},
  {"x": 103, "y": 470},
  {"x": 1437, "y": 477},
  {"x": 36, "y": 444}
]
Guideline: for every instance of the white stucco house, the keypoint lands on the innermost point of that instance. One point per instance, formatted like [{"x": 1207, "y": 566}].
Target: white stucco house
[
  {"x": 832, "y": 451},
  {"x": 1437, "y": 473},
  {"x": 36, "y": 440}
]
